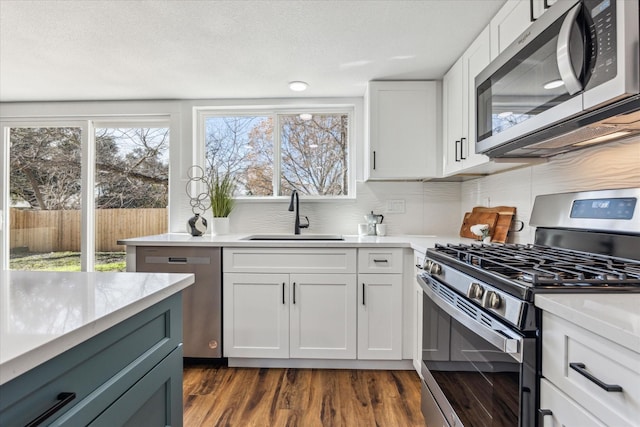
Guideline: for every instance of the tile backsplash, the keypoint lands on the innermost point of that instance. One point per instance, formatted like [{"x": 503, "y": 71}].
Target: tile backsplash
[
  {"x": 615, "y": 165},
  {"x": 438, "y": 207}
]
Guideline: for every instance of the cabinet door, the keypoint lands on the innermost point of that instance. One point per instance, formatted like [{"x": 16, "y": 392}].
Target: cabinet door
[
  {"x": 323, "y": 316},
  {"x": 380, "y": 316},
  {"x": 256, "y": 315},
  {"x": 453, "y": 93},
  {"x": 508, "y": 24},
  {"x": 564, "y": 411},
  {"x": 154, "y": 401},
  {"x": 475, "y": 59},
  {"x": 403, "y": 122}
]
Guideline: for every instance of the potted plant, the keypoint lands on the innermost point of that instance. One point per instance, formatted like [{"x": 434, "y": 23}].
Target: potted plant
[{"x": 221, "y": 189}]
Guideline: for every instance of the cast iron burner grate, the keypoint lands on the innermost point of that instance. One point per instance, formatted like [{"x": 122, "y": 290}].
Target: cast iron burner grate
[{"x": 545, "y": 266}]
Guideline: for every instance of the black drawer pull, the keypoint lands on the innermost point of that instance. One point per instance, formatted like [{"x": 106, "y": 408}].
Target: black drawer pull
[
  {"x": 582, "y": 370},
  {"x": 181, "y": 260},
  {"x": 294, "y": 292},
  {"x": 377, "y": 261},
  {"x": 283, "y": 302},
  {"x": 63, "y": 400}
]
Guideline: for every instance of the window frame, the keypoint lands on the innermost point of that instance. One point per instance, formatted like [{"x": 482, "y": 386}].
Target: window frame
[
  {"x": 87, "y": 124},
  {"x": 202, "y": 113}
]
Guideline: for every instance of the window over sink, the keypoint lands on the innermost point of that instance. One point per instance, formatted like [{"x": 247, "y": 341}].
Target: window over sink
[{"x": 271, "y": 152}]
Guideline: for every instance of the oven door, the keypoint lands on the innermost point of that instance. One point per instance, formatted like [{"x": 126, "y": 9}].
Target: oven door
[{"x": 474, "y": 373}]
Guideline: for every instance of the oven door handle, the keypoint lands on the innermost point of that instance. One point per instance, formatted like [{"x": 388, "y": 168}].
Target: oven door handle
[{"x": 500, "y": 338}]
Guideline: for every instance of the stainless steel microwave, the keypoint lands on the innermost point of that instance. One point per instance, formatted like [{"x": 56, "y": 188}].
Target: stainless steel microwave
[{"x": 569, "y": 80}]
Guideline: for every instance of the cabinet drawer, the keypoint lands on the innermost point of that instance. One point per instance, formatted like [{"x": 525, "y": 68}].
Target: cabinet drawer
[
  {"x": 380, "y": 260},
  {"x": 143, "y": 340},
  {"x": 564, "y": 343},
  {"x": 564, "y": 411},
  {"x": 293, "y": 260}
]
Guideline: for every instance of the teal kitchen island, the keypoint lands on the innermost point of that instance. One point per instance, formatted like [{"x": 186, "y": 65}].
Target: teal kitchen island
[{"x": 100, "y": 349}]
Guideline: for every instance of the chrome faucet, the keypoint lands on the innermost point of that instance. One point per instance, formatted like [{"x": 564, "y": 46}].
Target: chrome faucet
[{"x": 297, "y": 226}]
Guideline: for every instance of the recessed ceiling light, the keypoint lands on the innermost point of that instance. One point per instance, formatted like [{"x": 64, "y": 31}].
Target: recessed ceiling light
[
  {"x": 298, "y": 86},
  {"x": 553, "y": 84},
  {"x": 305, "y": 116}
]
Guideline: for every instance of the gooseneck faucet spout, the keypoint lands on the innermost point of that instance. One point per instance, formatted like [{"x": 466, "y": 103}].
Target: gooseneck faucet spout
[{"x": 296, "y": 208}]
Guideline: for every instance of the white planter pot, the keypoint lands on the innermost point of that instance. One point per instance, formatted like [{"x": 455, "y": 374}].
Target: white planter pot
[{"x": 220, "y": 226}]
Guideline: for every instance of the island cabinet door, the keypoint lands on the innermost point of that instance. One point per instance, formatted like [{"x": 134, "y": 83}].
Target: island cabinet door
[
  {"x": 256, "y": 315},
  {"x": 323, "y": 316}
]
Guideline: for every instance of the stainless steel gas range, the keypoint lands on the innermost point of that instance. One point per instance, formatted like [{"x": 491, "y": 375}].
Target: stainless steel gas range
[{"x": 481, "y": 340}]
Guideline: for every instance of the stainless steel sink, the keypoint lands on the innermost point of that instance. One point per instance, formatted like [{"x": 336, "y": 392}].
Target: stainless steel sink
[{"x": 296, "y": 237}]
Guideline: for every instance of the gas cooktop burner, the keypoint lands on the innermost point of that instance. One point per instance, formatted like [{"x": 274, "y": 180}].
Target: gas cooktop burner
[{"x": 542, "y": 266}]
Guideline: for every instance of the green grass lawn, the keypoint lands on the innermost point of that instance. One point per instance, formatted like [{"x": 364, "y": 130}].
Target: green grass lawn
[{"x": 65, "y": 261}]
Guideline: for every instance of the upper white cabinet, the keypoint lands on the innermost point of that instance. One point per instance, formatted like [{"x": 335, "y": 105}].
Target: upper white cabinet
[
  {"x": 508, "y": 24},
  {"x": 511, "y": 21},
  {"x": 459, "y": 108},
  {"x": 403, "y": 128}
]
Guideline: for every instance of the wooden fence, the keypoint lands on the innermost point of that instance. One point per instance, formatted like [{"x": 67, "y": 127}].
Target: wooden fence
[{"x": 55, "y": 231}]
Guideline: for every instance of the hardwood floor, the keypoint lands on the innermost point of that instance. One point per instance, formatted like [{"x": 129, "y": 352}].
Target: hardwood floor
[{"x": 221, "y": 396}]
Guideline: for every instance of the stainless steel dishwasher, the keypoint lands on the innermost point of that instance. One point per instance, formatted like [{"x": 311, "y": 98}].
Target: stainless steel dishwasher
[{"x": 202, "y": 302}]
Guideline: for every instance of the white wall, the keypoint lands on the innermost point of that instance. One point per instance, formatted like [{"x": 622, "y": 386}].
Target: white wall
[{"x": 614, "y": 165}]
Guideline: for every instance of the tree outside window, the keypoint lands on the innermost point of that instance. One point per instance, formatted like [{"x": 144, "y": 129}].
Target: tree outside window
[{"x": 310, "y": 151}]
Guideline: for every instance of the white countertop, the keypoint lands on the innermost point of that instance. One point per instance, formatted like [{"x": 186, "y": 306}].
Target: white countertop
[
  {"x": 615, "y": 316},
  {"x": 43, "y": 314},
  {"x": 417, "y": 242}
]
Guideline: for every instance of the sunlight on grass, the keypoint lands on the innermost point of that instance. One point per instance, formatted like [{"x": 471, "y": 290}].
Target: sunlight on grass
[{"x": 66, "y": 261}]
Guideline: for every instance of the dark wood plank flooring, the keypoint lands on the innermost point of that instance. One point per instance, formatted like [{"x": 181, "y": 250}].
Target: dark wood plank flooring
[{"x": 221, "y": 396}]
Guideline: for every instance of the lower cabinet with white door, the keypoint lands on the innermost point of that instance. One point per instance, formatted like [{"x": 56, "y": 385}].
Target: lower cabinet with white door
[
  {"x": 380, "y": 304},
  {"x": 332, "y": 304},
  {"x": 304, "y": 306},
  {"x": 589, "y": 380}
]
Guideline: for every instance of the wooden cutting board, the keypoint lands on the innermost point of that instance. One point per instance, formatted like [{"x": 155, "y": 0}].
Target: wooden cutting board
[{"x": 498, "y": 230}]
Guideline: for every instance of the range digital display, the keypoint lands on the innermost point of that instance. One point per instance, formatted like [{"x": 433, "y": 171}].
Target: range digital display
[{"x": 619, "y": 208}]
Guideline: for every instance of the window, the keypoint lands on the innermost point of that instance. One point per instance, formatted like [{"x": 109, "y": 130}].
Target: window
[
  {"x": 273, "y": 153},
  {"x": 55, "y": 180}
]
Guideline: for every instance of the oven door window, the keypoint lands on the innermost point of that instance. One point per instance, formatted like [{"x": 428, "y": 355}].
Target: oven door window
[{"x": 481, "y": 383}]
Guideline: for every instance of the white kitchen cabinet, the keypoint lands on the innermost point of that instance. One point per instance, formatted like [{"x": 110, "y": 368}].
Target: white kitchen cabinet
[
  {"x": 256, "y": 315},
  {"x": 380, "y": 316},
  {"x": 304, "y": 306},
  {"x": 510, "y": 21},
  {"x": 459, "y": 108},
  {"x": 402, "y": 129},
  {"x": 567, "y": 346},
  {"x": 290, "y": 316},
  {"x": 322, "y": 316},
  {"x": 566, "y": 412},
  {"x": 380, "y": 303}
]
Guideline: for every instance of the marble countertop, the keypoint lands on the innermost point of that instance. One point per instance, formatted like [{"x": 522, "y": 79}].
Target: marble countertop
[
  {"x": 615, "y": 316},
  {"x": 417, "y": 242},
  {"x": 43, "y": 314}
]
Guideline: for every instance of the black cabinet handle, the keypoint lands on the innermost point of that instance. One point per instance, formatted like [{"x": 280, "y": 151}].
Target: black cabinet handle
[
  {"x": 541, "y": 414},
  {"x": 63, "y": 400},
  {"x": 582, "y": 370},
  {"x": 283, "y": 293},
  {"x": 377, "y": 261},
  {"x": 363, "y": 286},
  {"x": 462, "y": 157},
  {"x": 294, "y": 292},
  {"x": 458, "y": 144},
  {"x": 374, "y": 160},
  {"x": 179, "y": 260}
]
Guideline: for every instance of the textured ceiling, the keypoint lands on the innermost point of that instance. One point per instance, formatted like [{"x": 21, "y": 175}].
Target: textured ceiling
[{"x": 167, "y": 49}]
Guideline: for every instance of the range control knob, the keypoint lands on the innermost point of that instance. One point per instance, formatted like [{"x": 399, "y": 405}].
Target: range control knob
[
  {"x": 475, "y": 291},
  {"x": 433, "y": 267},
  {"x": 493, "y": 300}
]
